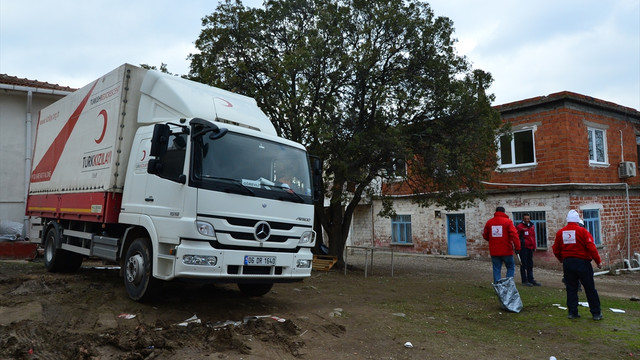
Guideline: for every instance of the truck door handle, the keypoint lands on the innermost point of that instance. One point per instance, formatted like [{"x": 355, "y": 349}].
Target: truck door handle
[{"x": 150, "y": 199}]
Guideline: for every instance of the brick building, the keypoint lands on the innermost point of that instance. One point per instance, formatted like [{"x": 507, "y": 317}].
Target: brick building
[{"x": 568, "y": 151}]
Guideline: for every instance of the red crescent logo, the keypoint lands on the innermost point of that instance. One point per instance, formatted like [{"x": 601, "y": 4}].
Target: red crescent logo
[
  {"x": 144, "y": 155},
  {"x": 226, "y": 103},
  {"x": 104, "y": 127}
]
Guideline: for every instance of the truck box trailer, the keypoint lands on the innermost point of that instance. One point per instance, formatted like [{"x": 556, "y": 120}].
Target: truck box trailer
[{"x": 171, "y": 179}]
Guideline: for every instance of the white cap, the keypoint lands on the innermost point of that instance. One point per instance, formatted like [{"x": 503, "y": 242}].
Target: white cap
[{"x": 573, "y": 216}]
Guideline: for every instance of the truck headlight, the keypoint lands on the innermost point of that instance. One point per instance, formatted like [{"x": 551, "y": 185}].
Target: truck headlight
[
  {"x": 204, "y": 228},
  {"x": 304, "y": 264},
  {"x": 308, "y": 237}
]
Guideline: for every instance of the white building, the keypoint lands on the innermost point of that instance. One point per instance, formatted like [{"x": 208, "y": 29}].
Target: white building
[{"x": 20, "y": 103}]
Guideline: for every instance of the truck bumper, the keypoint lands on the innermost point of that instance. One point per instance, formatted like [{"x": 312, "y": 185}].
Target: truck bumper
[{"x": 240, "y": 265}]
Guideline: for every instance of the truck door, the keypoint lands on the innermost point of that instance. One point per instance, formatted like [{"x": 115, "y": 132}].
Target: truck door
[{"x": 164, "y": 194}]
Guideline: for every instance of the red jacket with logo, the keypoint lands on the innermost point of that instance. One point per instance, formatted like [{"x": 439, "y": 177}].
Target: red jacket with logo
[
  {"x": 501, "y": 235},
  {"x": 574, "y": 241},
  {"x": 528, "y": 233}
]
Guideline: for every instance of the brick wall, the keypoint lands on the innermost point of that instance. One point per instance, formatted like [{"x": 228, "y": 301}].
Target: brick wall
[
  {"x": 620, "y": 226},
  {"x": 429, "y": 232}
]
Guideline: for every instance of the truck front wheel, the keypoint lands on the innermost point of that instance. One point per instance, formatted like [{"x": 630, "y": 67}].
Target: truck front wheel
[
  {"x": 138, "y": 279},
  {"x": 252, "y": 290}
]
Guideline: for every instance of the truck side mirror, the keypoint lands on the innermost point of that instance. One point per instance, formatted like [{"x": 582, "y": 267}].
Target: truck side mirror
[
  {"x": 316, "y": 173},
  {"x": 154, "y": 166},
  {"x": 160, "y": 140}
]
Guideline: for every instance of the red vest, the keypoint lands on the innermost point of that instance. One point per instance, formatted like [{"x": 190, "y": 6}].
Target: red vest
[
  {"x": 574, "y": 241},
  {"x": 528, "y": 233},
  {"x": 501, "y": 235}
]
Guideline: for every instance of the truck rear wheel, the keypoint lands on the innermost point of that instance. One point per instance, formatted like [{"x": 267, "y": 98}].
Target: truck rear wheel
[
  {"x": 73, "y": 261},
  {"x": 53, "y": 257},
  {"x": 59, "y": 260},
  {"x": 252, "y": 290},
  {"x": 138, "y": 280}
]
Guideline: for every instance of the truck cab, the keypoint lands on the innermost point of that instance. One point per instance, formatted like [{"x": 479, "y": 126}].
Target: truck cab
[{"x": 224, "y": 204}]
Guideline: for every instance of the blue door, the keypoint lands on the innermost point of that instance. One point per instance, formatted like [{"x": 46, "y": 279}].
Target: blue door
[{"x": 456, "y": 238}]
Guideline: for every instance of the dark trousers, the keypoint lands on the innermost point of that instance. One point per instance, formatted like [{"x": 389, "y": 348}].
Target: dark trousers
[
  {"x": 579, "y": 270},
  {"x": 526, "y": 265}
]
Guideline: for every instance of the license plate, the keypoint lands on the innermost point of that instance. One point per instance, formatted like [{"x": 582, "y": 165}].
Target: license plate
[{"x": 259, "y": 260}]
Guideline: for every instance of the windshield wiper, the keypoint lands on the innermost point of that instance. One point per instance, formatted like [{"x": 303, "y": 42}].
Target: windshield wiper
[
  {"x": 238, "y": 183},
  {"x": 283, "y": 186},
  {"x": 288, "y": 190}
]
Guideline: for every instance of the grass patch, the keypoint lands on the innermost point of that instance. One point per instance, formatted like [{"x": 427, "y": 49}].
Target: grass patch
[{"x": 471, "y": 314}]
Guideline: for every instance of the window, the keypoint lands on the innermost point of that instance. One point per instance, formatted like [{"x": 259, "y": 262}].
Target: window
[
  {"x": 401, "y": 229},
  {"x": 173, "y": 159},
  {"x": 539, "y": 219},
  {"x": 456, "y": 223},
  {"x": 519, "y": 150},
  {"x": 243, "y": 164},
  {"x": 592, "y": 223},
  {"x": 399, "y": 167},
  {"x": 638, "y": 148},
  {"x": 597, "y": 146}
]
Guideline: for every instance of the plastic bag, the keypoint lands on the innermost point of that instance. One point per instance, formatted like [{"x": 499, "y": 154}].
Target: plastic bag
[
  {"x": 508, "y": 294},
  {"x": 10, "y": 230}
]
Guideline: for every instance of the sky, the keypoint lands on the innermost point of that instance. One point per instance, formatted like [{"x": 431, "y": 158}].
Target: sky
[{"x": 531, "y": 48}]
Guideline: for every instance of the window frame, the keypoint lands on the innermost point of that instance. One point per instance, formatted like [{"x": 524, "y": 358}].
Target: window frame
[
  {"x": 591, "y": 139},
  {"x": 593, "y": 224},
  {"x": 638, "y": 149},
  {"x": 174, "y": 158},
  {"x": 401, "y": 226},
  {"x": 513, "y": 149},
  {"x": 539, "y": 219}
]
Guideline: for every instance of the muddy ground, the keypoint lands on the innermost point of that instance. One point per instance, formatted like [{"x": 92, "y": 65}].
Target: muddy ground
[{"x": 445, "y": 309}]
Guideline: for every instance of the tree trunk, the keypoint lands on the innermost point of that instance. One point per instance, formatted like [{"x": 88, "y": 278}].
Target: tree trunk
[
  {"x": 317, "y": 226},
  {"x": 337, "y": 235},
  {"x": 336, "y": 220}
]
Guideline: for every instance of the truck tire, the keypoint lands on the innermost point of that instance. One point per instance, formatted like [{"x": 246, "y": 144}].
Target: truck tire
[
  {"x": 253, "y": 290},
  {"x": 73, "y": 261},
  {"x": 59, "y": 260},
  {"x": 54, "y": 258},
  {"x": 138, "y": 280}
]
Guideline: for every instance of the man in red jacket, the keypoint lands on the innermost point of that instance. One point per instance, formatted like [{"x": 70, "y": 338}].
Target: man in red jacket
[
  {"x": 527, "y": 232},
  {"x": 574, "y": 248},
  {"x": 503, "y": 238}
]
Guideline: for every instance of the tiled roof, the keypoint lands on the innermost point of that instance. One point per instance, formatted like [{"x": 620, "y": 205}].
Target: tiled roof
[
  {"x": 14, "y": 80},
  {"x": 566, "y": 95}
]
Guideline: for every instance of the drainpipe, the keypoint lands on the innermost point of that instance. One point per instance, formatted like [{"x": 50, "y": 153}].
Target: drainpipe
[
  {"x": 626, "y": 186},
  {"x": 627, "y": 262},
  {"x": 628, "y": 224},
  {"x": 27, "y": 159}
]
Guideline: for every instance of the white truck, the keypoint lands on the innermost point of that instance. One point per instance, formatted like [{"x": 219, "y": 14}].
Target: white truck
[{"x": 171, "y": 179}]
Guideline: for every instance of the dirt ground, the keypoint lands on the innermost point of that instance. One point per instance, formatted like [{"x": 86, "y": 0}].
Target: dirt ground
[{"x": 430, "y": 302}]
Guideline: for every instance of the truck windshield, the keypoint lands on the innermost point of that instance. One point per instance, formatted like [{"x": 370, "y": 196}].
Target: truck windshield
[{"x": 252, "y": 166}]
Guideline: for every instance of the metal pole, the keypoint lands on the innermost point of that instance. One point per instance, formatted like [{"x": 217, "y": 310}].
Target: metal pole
[
  {"x": 366, "y": 261},
  {"x": 391, "y": 262}
]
